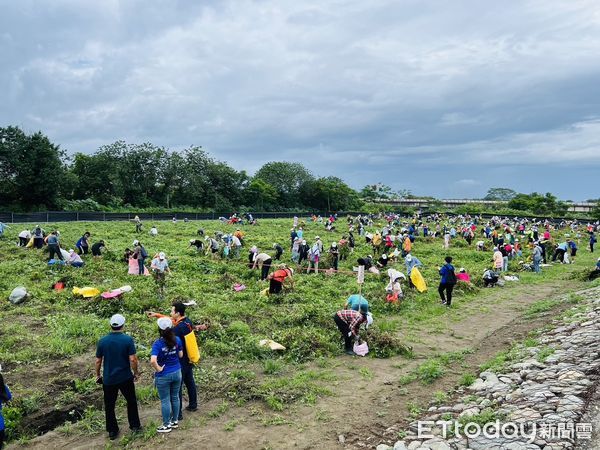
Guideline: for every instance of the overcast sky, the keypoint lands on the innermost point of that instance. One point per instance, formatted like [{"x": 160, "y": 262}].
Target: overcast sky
[{"x": 445, "y": 98}]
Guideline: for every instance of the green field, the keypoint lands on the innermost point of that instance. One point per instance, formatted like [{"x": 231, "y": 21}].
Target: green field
[{"x": 47, "y": 342}]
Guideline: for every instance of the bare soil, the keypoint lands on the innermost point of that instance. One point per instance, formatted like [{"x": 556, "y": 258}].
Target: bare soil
[{"x": 365, "y": 403}]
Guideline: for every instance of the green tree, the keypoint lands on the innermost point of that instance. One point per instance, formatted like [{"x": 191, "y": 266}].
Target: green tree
[
  {"x": 287, "y": 178},
  {"x": 331, "y": 194},
  {"x": 537, "y": 203},
  {"x": 32, "y": 168},
  {"x": 500, "y": 194},
  {"x": 261, "y": 194}
]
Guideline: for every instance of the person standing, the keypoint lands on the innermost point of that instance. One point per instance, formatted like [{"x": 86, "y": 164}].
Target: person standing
[
  {"x": 303, "y": 251},
  {"x": 537, "y": 257},
  {"x": 293, "y": 236},
  {"x": 116, "y": 355},
  {"x": 447, "y": 281},
  {"x": 334, "y": 255},
  {"x": 5, "y": 396},
  {"x": 138, "y": 224},
  {"x": 165, "y": 355},
  {"x": 140, "y": 254},
  {"x": 592, "y": 241},
  {"x": 182, "y": 326},
  {"x": 498, "y": 260},
  {"x": 54, "y": 246}
]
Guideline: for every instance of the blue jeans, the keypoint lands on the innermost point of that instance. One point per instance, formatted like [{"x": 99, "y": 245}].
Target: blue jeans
[
  {"x": 536, "y": 265},
  {"x": 140, "y": 266},
  {"x": 168, "y": 391}
]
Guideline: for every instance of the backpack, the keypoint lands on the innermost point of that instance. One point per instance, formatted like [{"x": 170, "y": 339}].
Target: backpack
[
  {"x": 143, "y": 252},
  {"x": 451, "y": 277}
]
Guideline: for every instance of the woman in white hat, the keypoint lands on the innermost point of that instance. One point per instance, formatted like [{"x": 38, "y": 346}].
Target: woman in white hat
[{"x": 165, "y": 354}]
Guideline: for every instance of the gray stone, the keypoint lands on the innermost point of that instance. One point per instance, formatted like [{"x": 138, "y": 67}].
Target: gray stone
[
  {"x": 384, "y": 447},
  {"x": 400, "y": 445},
  {"x": 469, "y": 412},
  {"x": 436, "y": 444}
]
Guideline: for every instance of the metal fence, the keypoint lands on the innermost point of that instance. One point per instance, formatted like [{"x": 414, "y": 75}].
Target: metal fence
[
  {"x": 82, "y": 216},
  {"x": 91, "y": 216}
]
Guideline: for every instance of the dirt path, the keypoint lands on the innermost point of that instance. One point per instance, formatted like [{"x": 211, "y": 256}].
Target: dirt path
[{"x": 368, "y": 398}]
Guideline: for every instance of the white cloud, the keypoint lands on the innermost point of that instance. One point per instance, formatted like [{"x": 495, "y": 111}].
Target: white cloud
[{"x": 354, "y": 88}]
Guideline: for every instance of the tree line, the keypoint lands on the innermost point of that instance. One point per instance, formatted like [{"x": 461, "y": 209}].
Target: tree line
[{"x": 37, "y": 174}]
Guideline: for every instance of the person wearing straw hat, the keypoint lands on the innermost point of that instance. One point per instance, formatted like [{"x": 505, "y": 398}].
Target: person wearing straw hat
[{"x": 116, "y": 355}]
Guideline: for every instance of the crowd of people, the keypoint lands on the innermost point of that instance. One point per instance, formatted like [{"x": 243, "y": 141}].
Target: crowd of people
[{"x": 513, "y": 244}]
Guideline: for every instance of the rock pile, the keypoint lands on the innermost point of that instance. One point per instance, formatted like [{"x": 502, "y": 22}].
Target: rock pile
[{"x": 536, "y": 404}]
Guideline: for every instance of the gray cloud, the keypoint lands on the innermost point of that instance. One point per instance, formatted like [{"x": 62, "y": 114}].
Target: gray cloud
[{"x": 417, "y": 94}]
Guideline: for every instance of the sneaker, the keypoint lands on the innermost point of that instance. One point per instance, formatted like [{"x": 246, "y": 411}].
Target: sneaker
[
  {"x": 189, "y": 408},
  {"x": 174, "y": 424},
  {"x": 113, "y": 435},
  {"x": 350, "y": 352},
  {"x": 163, "y": 429}
]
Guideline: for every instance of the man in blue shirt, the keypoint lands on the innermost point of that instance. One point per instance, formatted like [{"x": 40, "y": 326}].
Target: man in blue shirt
[
  {"x": 447, "y": 281},
  {"x": 116, "y": 354}
]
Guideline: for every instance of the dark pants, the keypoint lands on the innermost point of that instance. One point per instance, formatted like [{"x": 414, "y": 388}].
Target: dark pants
[
  {"x": 38, "y": 242},
  {"x": 23, "y": 241},
  {"x": 187, "y": 378},
  {"x": 573, "y": 252},
  {"x": 592, "y": 247},
  {"x": 558, "y": 253},
  {"x": 140, "y": 265},
  {"x": 55, "y": 250},
  {"x": 83, "y": 250},
  {"x": 344, "y": 329},
  {"x": 448, "y": 287},
  {"x": 111, "y": 392},
  {"x": 278, "y": 255},
  {"x": 275, "y": 286},
  {"x": 265, "y": 269},
  {"x": 334, "y": 263},
  {"x": 1, "y": 439}
]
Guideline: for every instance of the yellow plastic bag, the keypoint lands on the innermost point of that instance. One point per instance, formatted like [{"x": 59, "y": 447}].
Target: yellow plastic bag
[
  {"x": 191, "y": 347},
  {"x": 418, "y": 280},
  {"x": 86, "y": 292},
  {"x": 30, "y": 243},
  {"x": 264, "y": 292}
]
